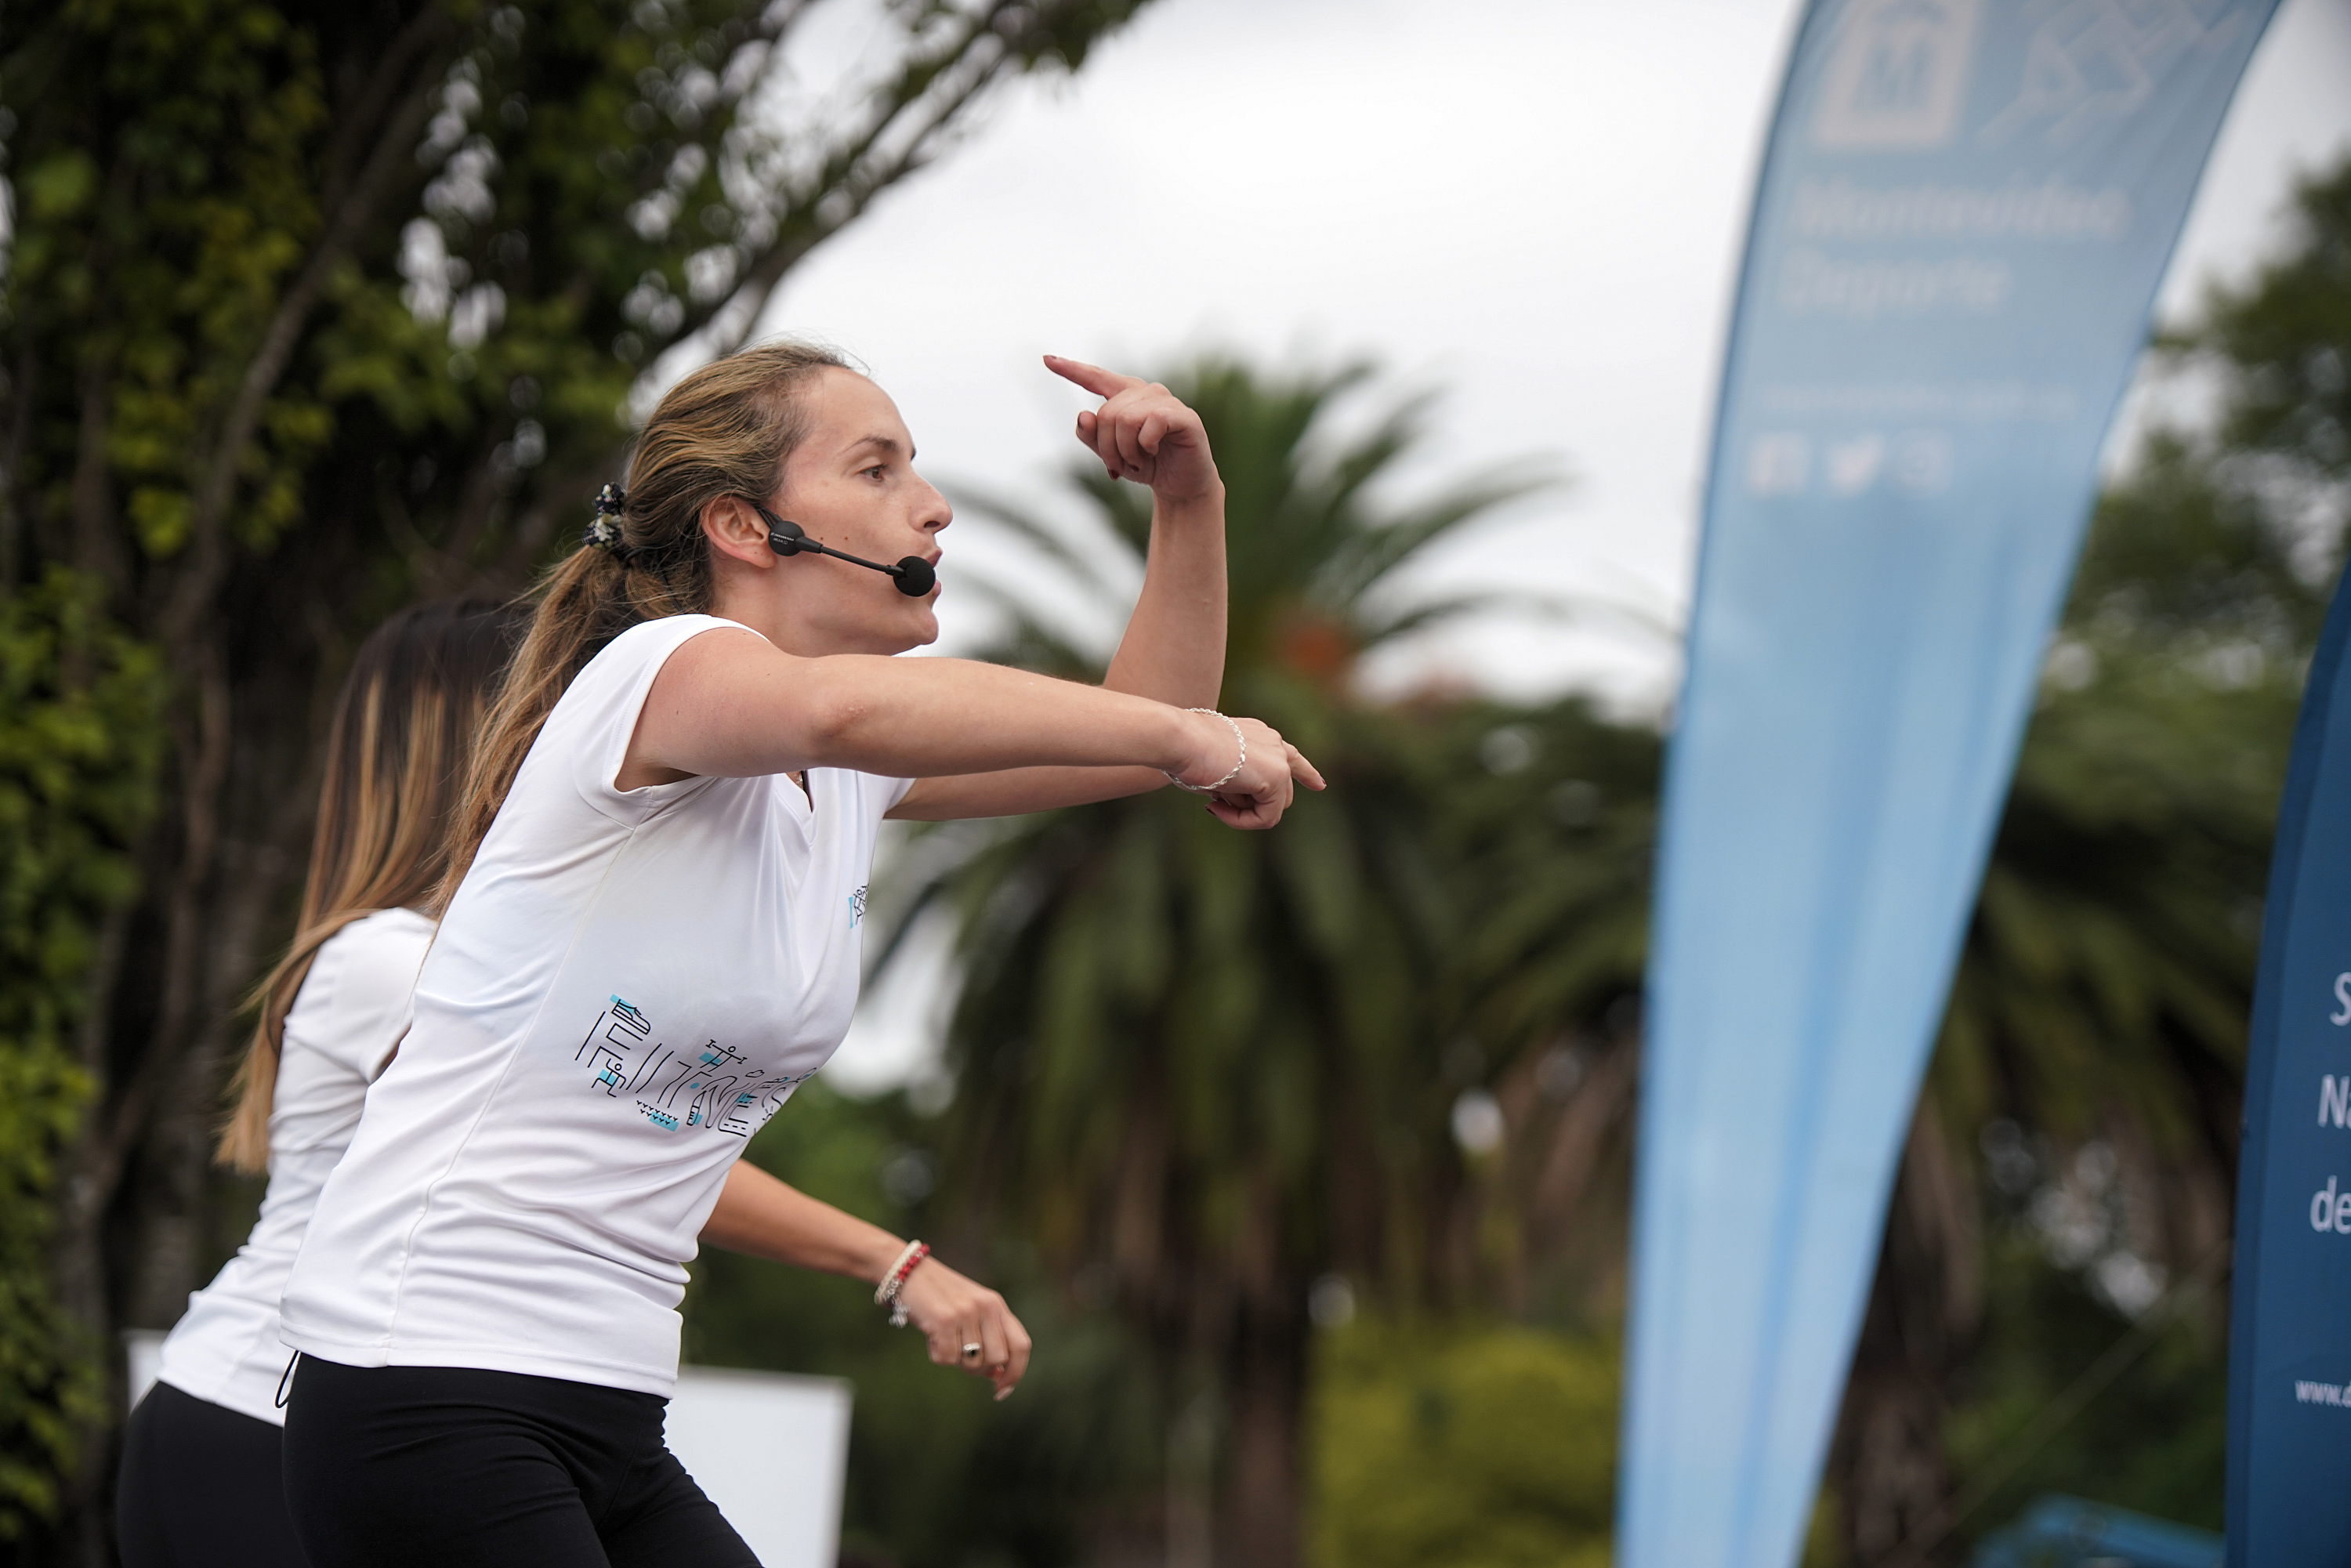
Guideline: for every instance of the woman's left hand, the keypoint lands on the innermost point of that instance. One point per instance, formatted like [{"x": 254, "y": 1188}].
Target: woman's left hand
[
  {"x": 956, "y": 1313},
  {"x": 1142, "y": 432}
]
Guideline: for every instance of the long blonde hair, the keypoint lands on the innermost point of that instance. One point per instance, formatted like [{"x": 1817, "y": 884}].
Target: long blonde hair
[
  {"x": 724, "y": 430},
  {"x": 396, "y": 757}
]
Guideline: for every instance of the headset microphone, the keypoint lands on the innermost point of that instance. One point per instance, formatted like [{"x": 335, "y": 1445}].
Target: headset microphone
[{"x": 912, "y": 574}]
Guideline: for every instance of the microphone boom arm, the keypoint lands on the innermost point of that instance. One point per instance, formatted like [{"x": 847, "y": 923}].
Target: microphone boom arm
[{"x": 913, "y": 576}]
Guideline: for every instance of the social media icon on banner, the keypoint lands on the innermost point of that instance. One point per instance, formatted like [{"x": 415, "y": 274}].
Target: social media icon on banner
[
  {"x": 1854, "y": 464},
  {"x": 1924, "y": 461},
  {"x": 1780, "y": 464}
]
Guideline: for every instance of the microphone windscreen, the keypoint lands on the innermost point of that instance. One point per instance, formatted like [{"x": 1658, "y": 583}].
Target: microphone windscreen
[{"x": 915, "y": 577}]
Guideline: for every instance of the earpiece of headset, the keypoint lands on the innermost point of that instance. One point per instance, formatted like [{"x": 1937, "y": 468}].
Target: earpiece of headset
[{"x": 912, "y": 574}]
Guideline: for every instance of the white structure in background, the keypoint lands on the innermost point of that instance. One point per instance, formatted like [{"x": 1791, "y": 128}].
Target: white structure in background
[{"x": 771, "y": 1450}]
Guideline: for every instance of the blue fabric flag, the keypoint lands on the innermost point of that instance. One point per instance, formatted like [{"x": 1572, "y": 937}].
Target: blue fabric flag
[
  {"x": 1965, "y": 208},
  {"x": 2290, "y": 1319}
]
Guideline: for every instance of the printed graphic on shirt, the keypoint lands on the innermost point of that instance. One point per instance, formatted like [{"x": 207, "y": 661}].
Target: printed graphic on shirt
[
  {"x": 707, "y": 1085},
  {"x": 857, "y": 906}
]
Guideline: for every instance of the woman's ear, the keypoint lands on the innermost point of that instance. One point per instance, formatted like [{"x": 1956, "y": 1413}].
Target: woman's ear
[{"x": 733, "y": 528}]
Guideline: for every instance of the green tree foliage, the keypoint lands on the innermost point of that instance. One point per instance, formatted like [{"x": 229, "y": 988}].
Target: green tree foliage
[
  {"x": 1463, "y": 1446},
  {"x": 2155, "y": 1439},
  {"x": 2281, "y": 345},
  {"x": 78, "y": 750},
  {"x": 310, "y": 309},
  {"x": 1548, "y": 821}
]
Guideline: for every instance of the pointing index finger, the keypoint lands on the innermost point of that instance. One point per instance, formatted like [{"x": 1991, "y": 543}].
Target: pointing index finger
[
  {"x": 1094, "y": 378},
  {"x": 1305, "y": 772}
]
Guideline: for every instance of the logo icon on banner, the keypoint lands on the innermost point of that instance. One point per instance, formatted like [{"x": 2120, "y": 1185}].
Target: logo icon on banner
[
  {"x": 1900, "y": 76},
  {"x": 2091, "y": 65}
]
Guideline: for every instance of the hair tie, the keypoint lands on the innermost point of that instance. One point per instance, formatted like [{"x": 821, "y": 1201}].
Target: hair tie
[{"x": 603, "y": 530}]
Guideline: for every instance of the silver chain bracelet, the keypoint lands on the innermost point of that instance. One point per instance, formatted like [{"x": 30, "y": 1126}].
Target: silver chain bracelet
[{"x": 1238, "y": 739}]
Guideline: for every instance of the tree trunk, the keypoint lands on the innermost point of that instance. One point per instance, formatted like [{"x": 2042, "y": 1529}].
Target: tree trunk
[
  {"x": 1891, "y": 1476},
  {"x": 218, "y": 875},
  {"x": 1888, "y": 1467},
  {"x": 1261, "y": 1522}
]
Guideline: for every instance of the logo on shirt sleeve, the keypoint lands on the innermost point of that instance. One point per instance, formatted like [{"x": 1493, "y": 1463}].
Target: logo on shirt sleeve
[{"x": 707, "y": 1085}]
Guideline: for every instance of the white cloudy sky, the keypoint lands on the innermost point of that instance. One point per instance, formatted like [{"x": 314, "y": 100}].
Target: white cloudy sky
[{"x": 1534, "y": 204}]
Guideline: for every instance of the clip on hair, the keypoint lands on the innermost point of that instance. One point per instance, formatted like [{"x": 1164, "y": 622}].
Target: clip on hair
[{"x": 604, "y": 528}]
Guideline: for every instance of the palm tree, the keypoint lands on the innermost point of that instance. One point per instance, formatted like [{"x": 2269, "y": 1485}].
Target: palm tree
[
  {"x": 1200, "y": 1070},
  {"x": 1552, "y": 849}
]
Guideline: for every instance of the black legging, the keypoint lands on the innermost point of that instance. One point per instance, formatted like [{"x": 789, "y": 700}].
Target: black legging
[
  {"x": 405, "y": 1467},
  {"x": 200, "y": 1488}
]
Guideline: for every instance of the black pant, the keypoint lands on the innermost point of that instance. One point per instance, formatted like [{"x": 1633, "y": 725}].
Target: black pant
[
  {"x": 199, "y": 1488},
  {"x": 447, "y": 1467}
]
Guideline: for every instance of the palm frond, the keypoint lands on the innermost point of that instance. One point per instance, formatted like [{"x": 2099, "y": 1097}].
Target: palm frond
[
  {"x": 1377, "y": 629},
  {"x": 1372, "y": 554}
]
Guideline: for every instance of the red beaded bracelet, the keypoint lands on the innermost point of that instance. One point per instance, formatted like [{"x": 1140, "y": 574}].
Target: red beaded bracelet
[{"x": 886, "y": 1293}]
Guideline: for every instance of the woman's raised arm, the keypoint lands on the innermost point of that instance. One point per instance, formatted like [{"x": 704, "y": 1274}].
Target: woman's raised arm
[
  {"x": 1174, "y": 648},
  {"x": 729, "y": 703}
]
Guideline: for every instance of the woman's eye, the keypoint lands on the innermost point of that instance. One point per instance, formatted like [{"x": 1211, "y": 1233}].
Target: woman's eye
[{"x": 876, "y": 471}]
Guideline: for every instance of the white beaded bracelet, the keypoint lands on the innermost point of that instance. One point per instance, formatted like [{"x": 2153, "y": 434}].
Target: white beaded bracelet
[{"x": 1238, "y": 739}]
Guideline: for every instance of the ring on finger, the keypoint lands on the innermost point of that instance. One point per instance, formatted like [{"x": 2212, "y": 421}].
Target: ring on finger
[{"x": 970, "y": 1352}]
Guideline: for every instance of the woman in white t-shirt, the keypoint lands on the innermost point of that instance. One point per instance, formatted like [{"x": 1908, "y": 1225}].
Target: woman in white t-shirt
[
  {"x": 654, "y": 937},
  {"x": 199, "y": 1483}
]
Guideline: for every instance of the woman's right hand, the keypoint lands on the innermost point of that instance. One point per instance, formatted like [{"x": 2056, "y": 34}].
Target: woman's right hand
[
  {"x": 966, "y": 1324},
  {"x": 1256, "y": 795}
]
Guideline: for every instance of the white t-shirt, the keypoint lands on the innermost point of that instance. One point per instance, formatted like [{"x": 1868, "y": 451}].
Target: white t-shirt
[
  {"x": 625, "y": 988},
  {"x": 345, "y": 1018}
]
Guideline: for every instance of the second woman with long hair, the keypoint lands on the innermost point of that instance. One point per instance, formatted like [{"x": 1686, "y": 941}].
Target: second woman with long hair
[{"x": 200, "y": 1480}]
